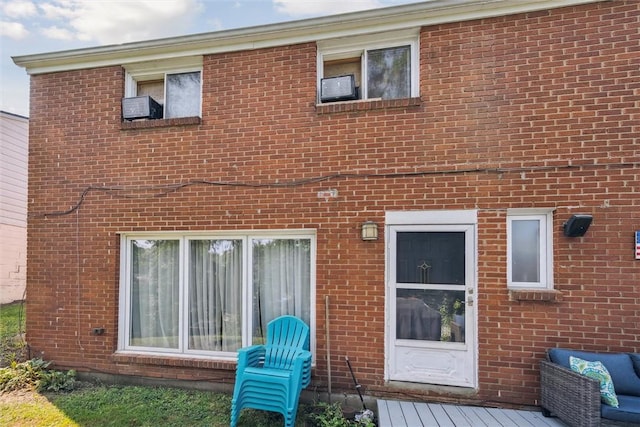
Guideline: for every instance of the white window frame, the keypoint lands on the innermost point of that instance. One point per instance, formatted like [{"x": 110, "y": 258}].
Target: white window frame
[
  {"x": 158, "y": 70},
  {"x": 358, "y": 46},
  {"x": 545, "y": 218},
  {"x": 124, "y": 311}
]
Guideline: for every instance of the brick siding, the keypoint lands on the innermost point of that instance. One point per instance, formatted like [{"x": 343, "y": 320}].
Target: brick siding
[{"x": 530, "y": 110}]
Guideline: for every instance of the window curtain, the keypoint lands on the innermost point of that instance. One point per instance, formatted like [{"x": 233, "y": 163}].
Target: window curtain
[
  {"x": 155, "y": 293},
  {"x": 215, "y": 295},
  {"x": 281, "y": 282}
]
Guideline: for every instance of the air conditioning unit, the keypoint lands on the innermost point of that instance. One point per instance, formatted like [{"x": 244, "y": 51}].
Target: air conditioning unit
[
  {"x": 141, "y": 107},
  {"x": 339, "y": 88}
]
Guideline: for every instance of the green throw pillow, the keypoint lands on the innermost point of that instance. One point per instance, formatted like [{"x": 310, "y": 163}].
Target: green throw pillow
[{"x": 597, "y": 371}]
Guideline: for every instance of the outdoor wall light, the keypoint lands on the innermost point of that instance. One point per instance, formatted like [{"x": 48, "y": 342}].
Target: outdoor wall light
[
  {"x": 369, "y": 230},
  {"x": 577, "y": 225}
]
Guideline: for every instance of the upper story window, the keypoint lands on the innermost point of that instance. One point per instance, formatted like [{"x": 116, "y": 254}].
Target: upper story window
[
  {"x": 175, "y": 88},
  {"x": 383, "y": 66},
  {"x": 529, "y": 248}
]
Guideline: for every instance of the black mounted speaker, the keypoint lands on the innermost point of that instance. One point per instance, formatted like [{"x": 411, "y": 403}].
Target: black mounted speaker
[{"x": 577, "y": 225}]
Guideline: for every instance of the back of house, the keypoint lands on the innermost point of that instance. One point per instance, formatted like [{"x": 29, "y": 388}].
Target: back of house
[{"x": 451, "y": 187}]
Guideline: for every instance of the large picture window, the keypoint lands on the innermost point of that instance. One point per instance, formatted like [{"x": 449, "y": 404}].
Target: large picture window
[{"x": 211, "y": 295}]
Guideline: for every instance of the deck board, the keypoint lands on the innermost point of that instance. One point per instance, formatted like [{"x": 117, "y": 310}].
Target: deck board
[
  {"x": 410, "y": 412},
  {"x": 395, "y": 413},
  {"x": 440, "y": 415},
  {"x": 499, "y": 415},
  {"x": 456, "y": 415},
  {"x": 426, "y": 416},
  {"x": 384, "y": 418},
  {"x": 392, "y": 413}
]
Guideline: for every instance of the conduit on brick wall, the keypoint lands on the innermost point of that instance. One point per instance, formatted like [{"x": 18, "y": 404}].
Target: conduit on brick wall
[{"x": 155, "y": 191}]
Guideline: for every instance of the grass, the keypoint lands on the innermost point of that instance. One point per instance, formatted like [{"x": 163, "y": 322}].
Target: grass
[
  {"x": 12, "y": 319},
  {"x": 12, "y": 325},
  {"x": 34, "y": 410},
  {"x": 130, "y": 406},
  {"x": 98, "y": 405}
]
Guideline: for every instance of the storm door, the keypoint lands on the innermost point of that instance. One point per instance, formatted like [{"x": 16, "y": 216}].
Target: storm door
[{"x": 430, "y": 303}]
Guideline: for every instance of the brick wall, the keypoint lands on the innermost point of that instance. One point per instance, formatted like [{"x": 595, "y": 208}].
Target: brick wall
[{"x": 535, "y": 110}]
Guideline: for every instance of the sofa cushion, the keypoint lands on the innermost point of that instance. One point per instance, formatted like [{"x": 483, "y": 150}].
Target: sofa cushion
[
  {"x": 635, "y": 358},
  {"x": 628, "y": 410},
  {"x": 597, "y": 371},
  {"x": 619, "y": 366}
]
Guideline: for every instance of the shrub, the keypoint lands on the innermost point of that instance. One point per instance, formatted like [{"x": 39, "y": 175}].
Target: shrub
[{"x": 33, "y": 374}]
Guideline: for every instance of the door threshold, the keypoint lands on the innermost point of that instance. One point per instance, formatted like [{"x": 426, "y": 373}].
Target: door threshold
[{"x": 437, "y": 388}]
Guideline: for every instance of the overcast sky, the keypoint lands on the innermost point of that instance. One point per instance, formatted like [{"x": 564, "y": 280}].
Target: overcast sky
[{"x": 37, "y": 26}]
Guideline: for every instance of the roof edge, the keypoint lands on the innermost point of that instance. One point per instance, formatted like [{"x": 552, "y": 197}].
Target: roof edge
[{"x": 291, "y": 32}]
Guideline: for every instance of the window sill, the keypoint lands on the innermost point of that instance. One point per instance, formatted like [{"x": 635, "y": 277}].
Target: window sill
[
  {"x": 160, "y": 123},
  {"x": 539, "y": 295},
  {"x": 181, "y": 362},
  {"x": 366, "y": 105}
]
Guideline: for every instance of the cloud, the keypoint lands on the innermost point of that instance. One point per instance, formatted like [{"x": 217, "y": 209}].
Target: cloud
[
  {"x": 57, "y": 33},
  {"x": 107, "y": 22},
  {"x": 299, "y": 8},
  {"x": 59, "y": 10},
  {"x": 13, "y": 30},
  {"x": 18, "y": 9},
  {"x": 125, "y": 21}
]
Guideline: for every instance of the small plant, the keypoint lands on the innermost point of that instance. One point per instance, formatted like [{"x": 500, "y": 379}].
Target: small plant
[
  {"x": 445, "y": 310},
  {"x": 329, "y": 416},
  {"x": 458, "y": 307},
  {"x": 33, "y": 374},
  {"x": 326, "y": 415},
  {"x": 12, "y": 349}
]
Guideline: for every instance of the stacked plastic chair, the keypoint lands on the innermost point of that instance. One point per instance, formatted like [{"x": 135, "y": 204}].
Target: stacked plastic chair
[{"x": 270, "y": 377}]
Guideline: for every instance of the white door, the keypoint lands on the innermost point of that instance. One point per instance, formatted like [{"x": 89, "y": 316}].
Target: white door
[{"x": 431, "y": 284}]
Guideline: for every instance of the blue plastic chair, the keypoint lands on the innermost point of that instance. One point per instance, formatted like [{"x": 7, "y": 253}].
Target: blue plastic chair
[{"x": 270, "y": 377}]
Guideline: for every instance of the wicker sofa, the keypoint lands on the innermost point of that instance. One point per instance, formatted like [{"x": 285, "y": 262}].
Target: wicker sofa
[{"x": 576, "y": 399}]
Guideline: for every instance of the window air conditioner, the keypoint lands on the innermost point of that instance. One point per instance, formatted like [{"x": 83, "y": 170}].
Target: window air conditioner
[
  {"x": 141, "y": 107},
  {"x": 340, "y": 88}
]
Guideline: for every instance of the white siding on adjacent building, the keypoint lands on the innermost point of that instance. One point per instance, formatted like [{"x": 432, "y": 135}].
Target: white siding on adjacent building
[{"x": 14, "y": 147}]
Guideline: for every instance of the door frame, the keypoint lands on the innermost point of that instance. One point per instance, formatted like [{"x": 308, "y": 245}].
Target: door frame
[{"x": 434, "y": 218}]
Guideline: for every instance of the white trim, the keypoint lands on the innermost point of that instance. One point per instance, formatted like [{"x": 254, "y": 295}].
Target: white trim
[
  {"x": 124, "y": 305},
  {"x": 468, "y": 216},
  {"x": 426, "y": 221},
  {"x": 184, "y": 237},
  {"x": 287, "y": 33},
  {"x": 333, "y": 47},
  {"x": 530, "y": 211},
  {"x": 359, "y": 46},
  {"x": 207, "y": 234},
  {"x": 545, "y": 216},
  {"x": 181, "y": 64},
  {"x": 158, "y": 70}
]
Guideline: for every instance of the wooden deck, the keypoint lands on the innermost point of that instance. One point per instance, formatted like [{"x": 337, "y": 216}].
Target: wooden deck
[{"x": 392, "y": 413}]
